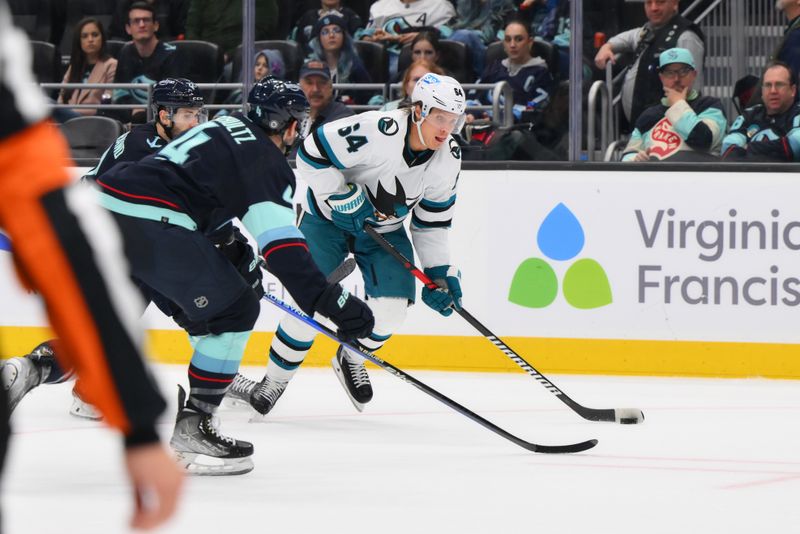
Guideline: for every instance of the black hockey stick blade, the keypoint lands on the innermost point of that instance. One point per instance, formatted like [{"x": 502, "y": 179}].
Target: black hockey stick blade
[
  {"x": 342, "y": 271},
  {"x": 622, "y": 415},
  {"x": 402, "y": 375}
]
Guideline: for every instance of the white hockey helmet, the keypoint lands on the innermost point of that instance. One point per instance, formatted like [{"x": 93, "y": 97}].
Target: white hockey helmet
[{"x": 440, "y": 92}]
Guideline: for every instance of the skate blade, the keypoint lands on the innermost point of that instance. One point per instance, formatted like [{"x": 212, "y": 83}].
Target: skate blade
[
  {"x": 237, "y": 404},
  {"x": 340, "y": 375},
  {"x": 85, "y": 413},
  {"x": 256, "y": 417},
  {"x": 203, "y": 465}
]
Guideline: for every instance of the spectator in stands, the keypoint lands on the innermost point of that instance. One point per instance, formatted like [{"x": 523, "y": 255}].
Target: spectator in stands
[
  {"x": 664, "y": 29},
  {"x": 685, "y": 126},
  {"x": 769, "y": 131},
  {"x": 415, "y": 71},
  {"x": 396, "y": 23},
  {"x": 528, "y": 76},
  {"x": 89, "y": 62},
  {"x": 304, "y": 31},
  {"x": 477, "y": 24},
  {"x": 267, "y": 63},
  {"x": 221, "y": 22},
  {"x": 788, "y": 50},
  {"x": 175, "y": 20},
  {"x": 146, "y": 61},
  {"x": 315, "y": 81},
  {"x": 333, "y": 45},
  {"x": 426, "y": 46}
]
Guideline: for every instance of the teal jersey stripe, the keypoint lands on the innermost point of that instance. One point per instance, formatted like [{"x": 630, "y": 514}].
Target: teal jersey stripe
[
  {"x": 284, "y": 232},
  {"x": 314, "y": 164},
  {"x": 151, "y": 213},
  {"x": 443, "y": 204},
  {"x": 265, "y": 216},
  {"x": 328, "y": 149}
]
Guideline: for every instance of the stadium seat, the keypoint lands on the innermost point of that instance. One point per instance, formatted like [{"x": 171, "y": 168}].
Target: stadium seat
[
  {"x": 541, "y": 49},
  {"x": 454, "y": 60},
  {"x": 46, "y": 62},
  {"x": 88, "y": 137},
  {"x": 33, "y": 16},
  {"x": 375, "y": 59},
  {"x": 292, "y": 58},
  {"x": 203, "y": 62},
  {"x": 115, "y": 47}
]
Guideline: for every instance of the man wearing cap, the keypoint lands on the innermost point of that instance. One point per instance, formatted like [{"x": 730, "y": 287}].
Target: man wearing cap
[
  {"x": 769, "y": 131},
  {"x": 664, "y": 29},
  {"x": 685, "y": 125},
  {"x": 315, "y": 81}
]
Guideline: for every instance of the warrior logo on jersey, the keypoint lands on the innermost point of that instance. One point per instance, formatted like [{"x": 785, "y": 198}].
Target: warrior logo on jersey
[
  {"x": 388, "y": 126},
  {"x": 455, "y": 150},
  {"x": 387, "y": 205}
]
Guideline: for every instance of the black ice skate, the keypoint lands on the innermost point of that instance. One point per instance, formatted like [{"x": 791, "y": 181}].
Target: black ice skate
[
  {"x": 202, "y": 450},
  {"x": 240, "y": 391},
  {"x": 266, "y": 394},
  {"x": 21, "y": 374},
  {"x": 354, "y": 378}
]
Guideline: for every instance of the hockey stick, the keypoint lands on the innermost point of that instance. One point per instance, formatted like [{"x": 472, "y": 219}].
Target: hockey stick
[
  {"x": 623, "y": 416},
  {"x": 402, "y": 375}
]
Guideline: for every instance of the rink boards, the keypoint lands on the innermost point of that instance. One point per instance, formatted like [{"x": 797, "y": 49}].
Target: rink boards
[{"x": 666, "y": 273}]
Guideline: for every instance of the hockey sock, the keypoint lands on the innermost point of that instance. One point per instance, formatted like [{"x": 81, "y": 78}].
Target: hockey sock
[
  {"x": 206, "y": 389},
  {"x": 288, "y": 349},
  {"x": 213, "y": 367}
]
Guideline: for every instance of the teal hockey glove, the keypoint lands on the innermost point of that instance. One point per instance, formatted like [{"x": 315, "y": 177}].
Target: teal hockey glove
[
  {"x": 349, "y": 211},
  {"x": 448, "y": 296}
]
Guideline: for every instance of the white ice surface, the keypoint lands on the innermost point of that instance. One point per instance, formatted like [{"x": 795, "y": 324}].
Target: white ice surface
[{"x": 713, "y": 456}]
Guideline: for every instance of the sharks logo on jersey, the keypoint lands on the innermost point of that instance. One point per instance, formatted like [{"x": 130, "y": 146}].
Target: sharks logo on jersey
[{"x": 388, "y": 205}]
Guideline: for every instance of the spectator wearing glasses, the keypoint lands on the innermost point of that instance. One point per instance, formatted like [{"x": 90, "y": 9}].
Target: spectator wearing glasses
[
  {"x": 769, "y": 131},
  {"x": 304, "y": 31},
  {"x": 333, "y": 45},
  {"x": 146, "y": 61},
  {"x": 685, "y": 126},
  {"x": 89, "y": 62},
  {"x": 415, "y": 71},
  {"x": 528, "y": 76}
]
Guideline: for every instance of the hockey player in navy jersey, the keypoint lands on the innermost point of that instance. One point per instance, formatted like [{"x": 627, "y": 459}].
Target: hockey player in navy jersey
[
  {"x": 167, "y": 202},
  {"x": 177, "y": 106},
  {"x": 378, "y": 168}
]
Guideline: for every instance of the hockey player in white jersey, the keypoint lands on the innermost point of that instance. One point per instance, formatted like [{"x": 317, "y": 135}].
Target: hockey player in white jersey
[{"x": 377, "y": 168}]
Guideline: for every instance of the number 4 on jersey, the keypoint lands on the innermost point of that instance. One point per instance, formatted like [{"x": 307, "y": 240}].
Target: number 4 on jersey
[{"x": 354, "y": 142}]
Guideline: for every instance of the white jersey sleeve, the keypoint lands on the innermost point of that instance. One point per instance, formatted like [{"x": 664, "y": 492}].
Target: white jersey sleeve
[
  {"x": 433, "y": 215},
  {"x": 327, "y": 152}
]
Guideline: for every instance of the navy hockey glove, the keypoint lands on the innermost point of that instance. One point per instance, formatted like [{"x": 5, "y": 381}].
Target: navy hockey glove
[
  {"x": 242, "y": 256},
  {"x": 349, "y": 211},
  {"x": 448, "y": 278},
  {"x": 351, "y": 315}
]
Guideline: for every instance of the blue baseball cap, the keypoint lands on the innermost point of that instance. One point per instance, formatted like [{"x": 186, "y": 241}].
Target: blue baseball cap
[{"x": 676, "y": 55}]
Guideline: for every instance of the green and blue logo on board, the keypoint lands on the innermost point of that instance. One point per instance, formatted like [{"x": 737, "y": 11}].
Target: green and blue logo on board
[{"x": 560, "y": 238}]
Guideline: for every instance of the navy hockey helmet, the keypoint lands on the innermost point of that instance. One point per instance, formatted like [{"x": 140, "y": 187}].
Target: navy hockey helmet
[
  {"x": 174, "y": 93},
  {"x": 273, "y": 104}
]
